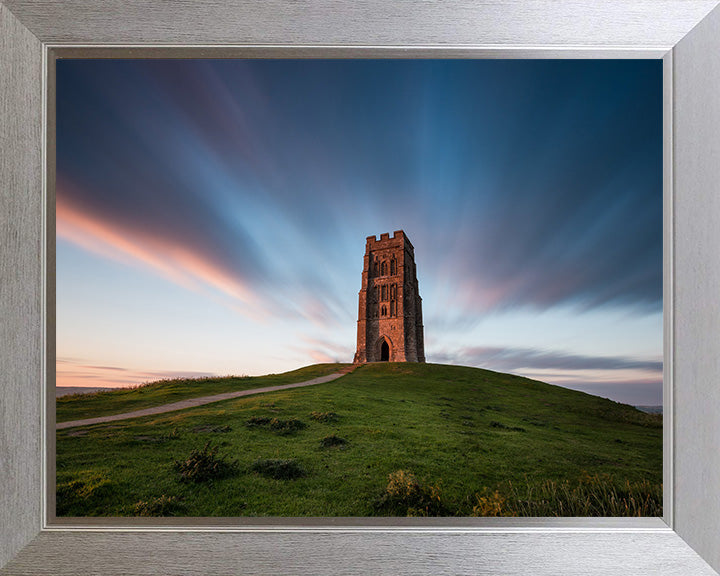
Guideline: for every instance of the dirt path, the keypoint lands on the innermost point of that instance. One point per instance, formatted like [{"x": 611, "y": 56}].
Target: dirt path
[{"x": 192, "y": 402}]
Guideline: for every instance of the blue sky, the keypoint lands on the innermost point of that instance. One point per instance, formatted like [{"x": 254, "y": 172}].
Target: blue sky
[{"x": 212, "y": 214}]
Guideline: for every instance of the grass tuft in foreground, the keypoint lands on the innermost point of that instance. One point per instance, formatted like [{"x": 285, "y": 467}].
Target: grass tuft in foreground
[
  {"x": 160, "y": 506},
  {"x": 405, "y": 496},
  {"x": 590, "y": 495},
  {"x": 204, "y": 464},
  {"x": 333, "y": 441},
  {"x": 279, "y": 469},
  {"x": 325, "y": 417},
  {"x": 276, "y": 424}
]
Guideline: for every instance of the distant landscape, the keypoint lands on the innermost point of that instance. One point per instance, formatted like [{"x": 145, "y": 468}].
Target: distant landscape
[
  {"x": 388, "y": 439},
  {"x": 651, "y": 409},
  {"x": 70, "y": 390}
]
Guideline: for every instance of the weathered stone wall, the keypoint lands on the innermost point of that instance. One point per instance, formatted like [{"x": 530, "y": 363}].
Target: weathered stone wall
[{"x": 389, "y": 304}]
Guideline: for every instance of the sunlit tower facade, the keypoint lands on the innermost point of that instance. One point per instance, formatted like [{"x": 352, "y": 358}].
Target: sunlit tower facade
[{"x": 389, "y": 327}]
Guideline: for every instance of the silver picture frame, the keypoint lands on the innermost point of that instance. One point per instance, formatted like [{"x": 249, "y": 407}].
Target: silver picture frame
[{"x": 684, "y": 33}]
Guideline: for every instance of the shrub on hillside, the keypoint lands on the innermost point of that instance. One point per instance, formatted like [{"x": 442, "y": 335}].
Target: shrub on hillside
[
  {"x": 286, "y": 426},
  {"x": 324, "y": 417},
  {"x": 204, "y": 464},
  {"x": 258, "y": 421},
  {"x": 490, "y": 504},
  {"x": 276, "y": 425},
  {"x": 406, "y": 496},
  {"x": 332, "y": 441},
  {"x": 278, "y": 469}
]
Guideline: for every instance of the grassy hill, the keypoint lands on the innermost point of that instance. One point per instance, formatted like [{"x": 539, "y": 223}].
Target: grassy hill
[{"x": 387, "y": 439}]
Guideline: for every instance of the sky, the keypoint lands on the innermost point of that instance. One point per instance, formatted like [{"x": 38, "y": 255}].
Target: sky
[{"x": 212, "y": 215}]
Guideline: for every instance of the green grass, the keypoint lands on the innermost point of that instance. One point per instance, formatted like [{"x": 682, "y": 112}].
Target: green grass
[
  {"x": 80, "y": 406},
  {"x": 468, "y": 438}
]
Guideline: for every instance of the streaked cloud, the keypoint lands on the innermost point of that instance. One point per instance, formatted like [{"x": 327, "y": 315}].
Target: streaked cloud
[
  {"x": 180, "y": 263},
  {"x": 507, "y": 359},
  {"x": 321, "y": 350}
]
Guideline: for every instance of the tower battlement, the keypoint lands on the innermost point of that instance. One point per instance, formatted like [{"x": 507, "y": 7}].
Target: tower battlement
[
  {"x": 390, "y": 308},
  {"x": 398, "y": 237}
]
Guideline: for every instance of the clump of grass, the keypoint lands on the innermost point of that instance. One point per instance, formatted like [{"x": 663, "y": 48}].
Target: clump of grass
[
  {"x": 276, "y": 425},
  {"x": 287, "y": 426},
  {"x": 324, "y": 417},
  {"x": 490, "y": 504},
  {"x": 278, "y": 469},
  {"x": 256, "y": 421},
  {"x": 502, "y": 426},
  {"x": 204, "y": 464},
  {"x": 406, "y": 496},
  {"x": 332, "y": 441},
  {"x": 219, "y": 429},
  {"x": 80, "y": 494},
  {"x": 160, "y": 506},
  {"x": 590, "y": 495}
]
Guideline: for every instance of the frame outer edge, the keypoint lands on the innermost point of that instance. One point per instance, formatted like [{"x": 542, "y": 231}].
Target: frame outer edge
[
  {"x": 20, "y": 292},
  {"x": 374, "y": 22},
  {"x": 20, "y": 284},
  {"x": 696, "y": 122}
]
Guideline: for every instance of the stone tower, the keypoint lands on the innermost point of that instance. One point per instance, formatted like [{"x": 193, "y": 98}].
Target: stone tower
[{"x": 389, "y": 324}]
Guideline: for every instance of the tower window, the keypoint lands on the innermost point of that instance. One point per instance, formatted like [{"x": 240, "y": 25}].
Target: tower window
[
  {"x": 393, "y": 267},
  {"x": 384, "y": 293},
  {"x": 383, "y": 311},
  {"x": 384, "y": 268}
]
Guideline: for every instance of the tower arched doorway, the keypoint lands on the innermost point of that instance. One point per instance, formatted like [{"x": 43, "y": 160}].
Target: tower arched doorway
[{"x": 384, "y": 351}]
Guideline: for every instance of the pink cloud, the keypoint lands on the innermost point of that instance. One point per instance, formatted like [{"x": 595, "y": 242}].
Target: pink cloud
[
  {"x": 75, "y": 373},
  {"x": 324, "y": 351},
  {"x": 321, "y": 357},
  {"x": 179, "y": 264}
]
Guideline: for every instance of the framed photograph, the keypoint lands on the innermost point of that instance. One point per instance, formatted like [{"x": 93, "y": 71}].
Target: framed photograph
[
  {"x": 680, "y": 37},
  {"x": 507, "y": 178}
]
